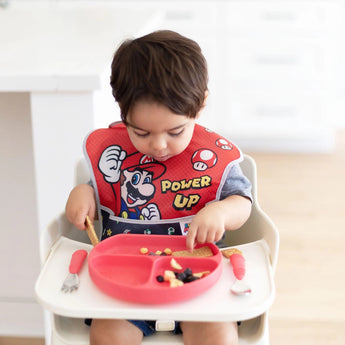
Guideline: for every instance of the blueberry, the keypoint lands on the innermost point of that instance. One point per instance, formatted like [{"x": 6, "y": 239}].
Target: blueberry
[
  {"x": 188, "y": 271},
  {"x": 181, "y": 276},
  {"x": 191, "y": 278},
  {"x": 160, "y": 279}
]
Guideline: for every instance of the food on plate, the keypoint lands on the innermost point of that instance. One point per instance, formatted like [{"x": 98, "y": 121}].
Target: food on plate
[
  {"x": 176, "y": 282},
  {"x": 176, "y": 279},
  {"x": 160, "y": 278},
  {"x": 144, "y": 250},
  {"x": 167, "y": 251},
  {"x": 175, "y": 264},
  {"x": 201, "y": 274},
  {"x": 199, "y": 252},
  {"x": 168, "y": 275}
]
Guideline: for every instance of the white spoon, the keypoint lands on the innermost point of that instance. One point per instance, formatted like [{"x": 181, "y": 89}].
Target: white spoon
[{"x": 240, "y": 287}]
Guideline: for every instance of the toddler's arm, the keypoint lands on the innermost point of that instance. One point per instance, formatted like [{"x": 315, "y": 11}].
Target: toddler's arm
[
  {"x": 210, "y": 222},
  {"x": 81, "y": 203}
]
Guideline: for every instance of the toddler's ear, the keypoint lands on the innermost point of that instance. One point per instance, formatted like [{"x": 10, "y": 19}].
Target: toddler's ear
[
  {"x": 205, "y": 99},
  {"x": 203, "y": 105}
]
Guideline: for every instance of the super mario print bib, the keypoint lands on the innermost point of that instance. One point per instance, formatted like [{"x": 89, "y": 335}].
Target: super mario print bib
[{"x": 137, "y": 194}]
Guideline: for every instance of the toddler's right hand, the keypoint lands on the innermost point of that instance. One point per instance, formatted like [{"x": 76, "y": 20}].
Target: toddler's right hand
[{"x": 81, "y": 203}]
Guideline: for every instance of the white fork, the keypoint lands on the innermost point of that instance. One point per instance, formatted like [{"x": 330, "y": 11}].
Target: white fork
[{"x": 71, "y": 282}]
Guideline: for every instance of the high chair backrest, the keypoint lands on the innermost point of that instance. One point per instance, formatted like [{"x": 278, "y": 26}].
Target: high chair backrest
[
  {"x": 259, "y": 225},
  {"x": 60, "y": 226}
]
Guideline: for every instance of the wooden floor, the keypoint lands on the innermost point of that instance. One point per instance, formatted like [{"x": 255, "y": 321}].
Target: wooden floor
[{"x": 304, "y": 196}]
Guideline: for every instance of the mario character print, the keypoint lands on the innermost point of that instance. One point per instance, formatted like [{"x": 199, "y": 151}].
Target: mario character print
[{"x": 135, "y": 173}]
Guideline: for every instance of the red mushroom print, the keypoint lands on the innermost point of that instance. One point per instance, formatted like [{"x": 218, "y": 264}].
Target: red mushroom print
[
  {"x": 224, "y": 144},
  {"x": 203, "y": 159}
]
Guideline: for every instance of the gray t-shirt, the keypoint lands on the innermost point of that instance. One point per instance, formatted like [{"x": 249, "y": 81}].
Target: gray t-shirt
[{"x": 236, "y": 184}]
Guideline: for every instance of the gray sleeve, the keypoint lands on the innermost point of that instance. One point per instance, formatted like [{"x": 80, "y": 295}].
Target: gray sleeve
[{"x": 236, "y": 184}]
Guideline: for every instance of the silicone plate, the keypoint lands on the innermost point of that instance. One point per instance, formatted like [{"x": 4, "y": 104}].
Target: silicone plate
[{"x": 118, "y": 269}]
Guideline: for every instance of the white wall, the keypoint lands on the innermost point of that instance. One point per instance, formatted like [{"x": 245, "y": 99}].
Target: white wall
[
  {"x": 337, "y": 104},
  {"x": 275, "y": 69},
  {"x": 19, "y": 265}
]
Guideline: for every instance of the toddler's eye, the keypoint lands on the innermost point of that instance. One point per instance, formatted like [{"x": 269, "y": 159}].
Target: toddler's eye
[
  {"x": 176, "y": 134},
  {"x": 141, "y": 135}
]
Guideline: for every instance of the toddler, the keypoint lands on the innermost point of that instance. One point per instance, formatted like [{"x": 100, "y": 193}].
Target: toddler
[{"x": 158, "y": 172}]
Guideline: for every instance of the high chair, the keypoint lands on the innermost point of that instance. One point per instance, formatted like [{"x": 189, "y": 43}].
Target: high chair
[{"x": 70, "y": 330}]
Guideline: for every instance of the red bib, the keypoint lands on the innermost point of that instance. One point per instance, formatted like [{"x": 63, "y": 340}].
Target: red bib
[{"x": 133, "y": 186}]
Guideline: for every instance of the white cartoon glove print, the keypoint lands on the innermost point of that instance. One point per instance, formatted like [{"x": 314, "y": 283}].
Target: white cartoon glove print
[
  {"x": 110, "y": 163},
  {"x": 151, "y": 212}
]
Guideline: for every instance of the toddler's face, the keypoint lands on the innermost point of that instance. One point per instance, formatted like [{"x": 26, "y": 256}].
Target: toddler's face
[{"x": 156, "y": 131}]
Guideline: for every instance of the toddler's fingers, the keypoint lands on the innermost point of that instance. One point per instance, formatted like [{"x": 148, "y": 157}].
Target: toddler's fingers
[
  {"x": 190, "y": 238},
  {"x": 214, "y": 235},
  {"x": 201, "y": 236},
  {"x": 79, "y": 221},
  {"x": 219, "y": 235}
]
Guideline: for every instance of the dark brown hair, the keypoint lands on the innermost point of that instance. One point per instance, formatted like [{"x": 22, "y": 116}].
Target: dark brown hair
[{"x": 163, "y": 67}]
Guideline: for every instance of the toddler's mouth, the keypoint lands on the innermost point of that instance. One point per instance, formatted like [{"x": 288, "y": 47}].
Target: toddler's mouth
[{"x": 161, "y": 158}]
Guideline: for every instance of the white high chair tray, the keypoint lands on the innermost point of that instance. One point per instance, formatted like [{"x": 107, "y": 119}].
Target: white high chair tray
[{"x": 216, "y": 304}]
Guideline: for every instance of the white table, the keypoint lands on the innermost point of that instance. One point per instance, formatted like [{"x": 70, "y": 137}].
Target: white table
[{"x": 216, "y": 304}]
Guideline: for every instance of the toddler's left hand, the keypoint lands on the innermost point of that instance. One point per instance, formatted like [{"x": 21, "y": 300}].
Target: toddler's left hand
[{"x": 207, "y": 226}]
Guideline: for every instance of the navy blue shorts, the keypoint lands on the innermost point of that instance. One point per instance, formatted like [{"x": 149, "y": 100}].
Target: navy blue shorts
[{"x": 147, "y": 327}]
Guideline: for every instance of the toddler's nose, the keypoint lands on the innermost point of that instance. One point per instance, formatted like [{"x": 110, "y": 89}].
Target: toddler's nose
[{"x": 158, "y": 143}]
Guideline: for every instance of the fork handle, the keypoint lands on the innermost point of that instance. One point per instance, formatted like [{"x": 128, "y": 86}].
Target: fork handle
[{"x": 77, "y": 260}]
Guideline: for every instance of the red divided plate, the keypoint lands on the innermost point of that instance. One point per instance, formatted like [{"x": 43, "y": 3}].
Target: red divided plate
[{"x": 118, "y": 269}]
